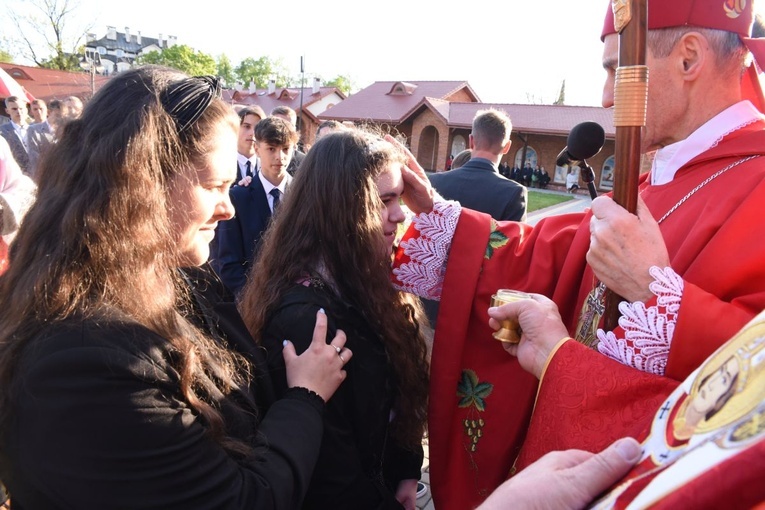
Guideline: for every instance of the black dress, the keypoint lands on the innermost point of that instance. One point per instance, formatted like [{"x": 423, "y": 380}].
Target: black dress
[
  {"x": 99, "y": 422},
  {"x": 360, "y": 464}
]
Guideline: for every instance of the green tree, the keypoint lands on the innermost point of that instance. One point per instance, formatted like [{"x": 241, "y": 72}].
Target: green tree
[
  {"x": 342, "y": 83},
  {"x": 5, "y": 56},
  {"x": 43, "y": 28},
  {"x": 226, "y": 70},
  {"x": 260, "y": 71},
  {"x": 183, "y": 58}
]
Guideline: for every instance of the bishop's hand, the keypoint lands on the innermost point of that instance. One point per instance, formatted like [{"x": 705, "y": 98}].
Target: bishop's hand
[{"x": 624, "y": 246}]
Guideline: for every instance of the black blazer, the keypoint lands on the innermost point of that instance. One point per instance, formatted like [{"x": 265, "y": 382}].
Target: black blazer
[
  {"x": 297, "y": 158},
  {"x": 233, "y": 251},
  {"x": 99, "y": 422},
  {"x": 478, "y": 185}
]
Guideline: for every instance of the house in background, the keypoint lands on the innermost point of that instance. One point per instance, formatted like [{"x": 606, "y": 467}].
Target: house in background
[
  {"x": 314, "y": 101},
  {"x": 117, "y": 51},
  {"x": 47, "y": 84},
  {"x": 435, "y": 118}
]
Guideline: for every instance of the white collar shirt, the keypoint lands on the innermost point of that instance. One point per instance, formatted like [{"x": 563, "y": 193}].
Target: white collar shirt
[
  {"x": 267, "y": 187},
  {"x": 668, "y": 160},
  {"x": 242, "y": 162}
]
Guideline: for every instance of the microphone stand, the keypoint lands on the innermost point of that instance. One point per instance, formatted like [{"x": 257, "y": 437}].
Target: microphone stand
[{"x": 588, "y": 176}]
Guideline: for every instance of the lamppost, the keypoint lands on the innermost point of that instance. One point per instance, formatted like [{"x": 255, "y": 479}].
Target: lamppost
[{"x": 92, "y": 63}]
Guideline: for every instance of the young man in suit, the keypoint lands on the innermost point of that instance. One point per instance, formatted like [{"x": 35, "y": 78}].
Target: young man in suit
[
  {"x": 289, "y": 115},
  {"x": 15, "y": 131},
  {"x": 246, "y": 159},
  {"x": 477, "y": 184},
  {"x": 42, "y": 135},
  {"x": 255, "y": 201}
]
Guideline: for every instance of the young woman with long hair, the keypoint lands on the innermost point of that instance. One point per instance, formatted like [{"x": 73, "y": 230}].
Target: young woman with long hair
[
  {"x": 125, "y": 380},
  {"x": 330, "y": 247}
]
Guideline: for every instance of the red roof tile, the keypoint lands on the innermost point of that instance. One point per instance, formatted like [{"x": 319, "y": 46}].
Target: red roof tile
[
  {"x": 47, "y": 84},
  {"x": 537, "y": 118},
  {"x": 381, "y": 103}
]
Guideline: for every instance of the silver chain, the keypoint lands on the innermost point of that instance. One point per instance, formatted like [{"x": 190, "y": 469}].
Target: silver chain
[{"x": 704, "y": 183}]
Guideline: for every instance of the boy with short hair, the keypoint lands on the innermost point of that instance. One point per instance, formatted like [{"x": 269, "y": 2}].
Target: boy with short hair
[{"x": 255, "y": 201}]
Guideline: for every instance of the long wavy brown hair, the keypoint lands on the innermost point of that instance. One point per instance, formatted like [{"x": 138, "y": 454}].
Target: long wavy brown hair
[
  {"x": 330, "y": 224},
  {"x": 99, "y": 243}
]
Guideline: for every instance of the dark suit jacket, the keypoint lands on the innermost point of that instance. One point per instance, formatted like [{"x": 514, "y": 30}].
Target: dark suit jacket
[
  {"x": 17, "y": 148},
  {"x": 240, "y": 175},
  {"x": 233, "y": 252},
  {"x": 297, "y": 158},
  {"x": 477, "y": 185}
]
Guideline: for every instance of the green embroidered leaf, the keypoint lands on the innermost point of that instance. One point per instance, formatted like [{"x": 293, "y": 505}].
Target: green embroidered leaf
[
  {"x": 496, "y": 240},
  {"x": 483, "y": 389},
  {"x": 465, "y": 402},
  {"x": 471, "y": 391},
  {"x": 465, "y": 387}
]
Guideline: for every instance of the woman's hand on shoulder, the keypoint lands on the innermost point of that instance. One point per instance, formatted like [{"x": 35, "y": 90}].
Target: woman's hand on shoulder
[{"x": 320, "y": 367}]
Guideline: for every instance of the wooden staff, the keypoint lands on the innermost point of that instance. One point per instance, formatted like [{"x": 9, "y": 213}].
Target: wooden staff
[{"x": 630, "y": 98}]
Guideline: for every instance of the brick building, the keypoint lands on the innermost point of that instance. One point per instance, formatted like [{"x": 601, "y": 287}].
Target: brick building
[{"x": 435, "y": 117}]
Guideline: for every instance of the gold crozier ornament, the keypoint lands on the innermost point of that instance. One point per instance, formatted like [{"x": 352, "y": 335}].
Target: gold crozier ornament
[
  {"x": 589, "y": 318},
  {"x": 622, "y": 14}
]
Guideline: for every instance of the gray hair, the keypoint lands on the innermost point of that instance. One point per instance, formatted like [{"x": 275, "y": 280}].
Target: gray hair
[{"x": 730, "y": 52}]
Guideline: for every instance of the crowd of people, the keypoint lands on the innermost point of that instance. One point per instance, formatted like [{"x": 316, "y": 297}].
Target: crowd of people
[{"x": 178, "y": 332}]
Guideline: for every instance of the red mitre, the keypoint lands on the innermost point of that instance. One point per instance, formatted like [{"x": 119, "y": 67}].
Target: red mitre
[{"x": 730, "y": 15}]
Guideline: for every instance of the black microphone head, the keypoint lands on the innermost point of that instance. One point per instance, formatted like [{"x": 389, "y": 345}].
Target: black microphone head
[
  {"x": 564, "y": 158},
  {"x": 585, "y": 140}
]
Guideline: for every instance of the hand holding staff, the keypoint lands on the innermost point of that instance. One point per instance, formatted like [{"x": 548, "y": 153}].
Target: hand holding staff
[{"x": 630, "y": 98}]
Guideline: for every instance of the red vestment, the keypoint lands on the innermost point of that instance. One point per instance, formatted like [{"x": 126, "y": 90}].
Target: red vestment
[
  {"x": 576, "y": 410},
  {"x": 481, "y": 399}
]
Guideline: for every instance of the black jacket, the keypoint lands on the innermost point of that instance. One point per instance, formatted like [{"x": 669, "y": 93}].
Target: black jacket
[
  {"x": 360, "y": 464},
  {"x": 99, "y": 423}
]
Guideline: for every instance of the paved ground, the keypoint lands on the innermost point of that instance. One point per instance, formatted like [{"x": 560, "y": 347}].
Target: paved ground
[{"x": 580, "y": 203}]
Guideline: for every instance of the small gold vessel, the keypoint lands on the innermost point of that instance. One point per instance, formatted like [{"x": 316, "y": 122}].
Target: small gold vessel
[{"x": 510, "y": 331}]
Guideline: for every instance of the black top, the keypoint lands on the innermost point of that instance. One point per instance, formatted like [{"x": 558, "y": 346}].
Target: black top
[
  {"x": 360, "y": 464},
  {"x": 99, "y": 422}
]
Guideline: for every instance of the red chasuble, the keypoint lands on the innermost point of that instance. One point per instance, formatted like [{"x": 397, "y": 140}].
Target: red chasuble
[
  {"x": 481, "y": 399},
  {"x": 714, "y": 461}
]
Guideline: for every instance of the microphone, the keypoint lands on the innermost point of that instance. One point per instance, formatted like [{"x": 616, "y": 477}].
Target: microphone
[{"x": 584, "y": 141}]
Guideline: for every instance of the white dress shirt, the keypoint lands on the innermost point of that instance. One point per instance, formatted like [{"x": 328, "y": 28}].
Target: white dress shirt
[{"x": 670, "y": 159}]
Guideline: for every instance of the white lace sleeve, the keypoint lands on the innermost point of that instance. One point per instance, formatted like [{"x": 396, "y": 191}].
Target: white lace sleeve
[
  {"x": 426, "y": 251},
  {"x": 648, "y": 330}
]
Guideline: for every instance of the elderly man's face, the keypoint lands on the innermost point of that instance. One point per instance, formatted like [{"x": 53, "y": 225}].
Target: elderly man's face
[{"x": 666, "y": 100}]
